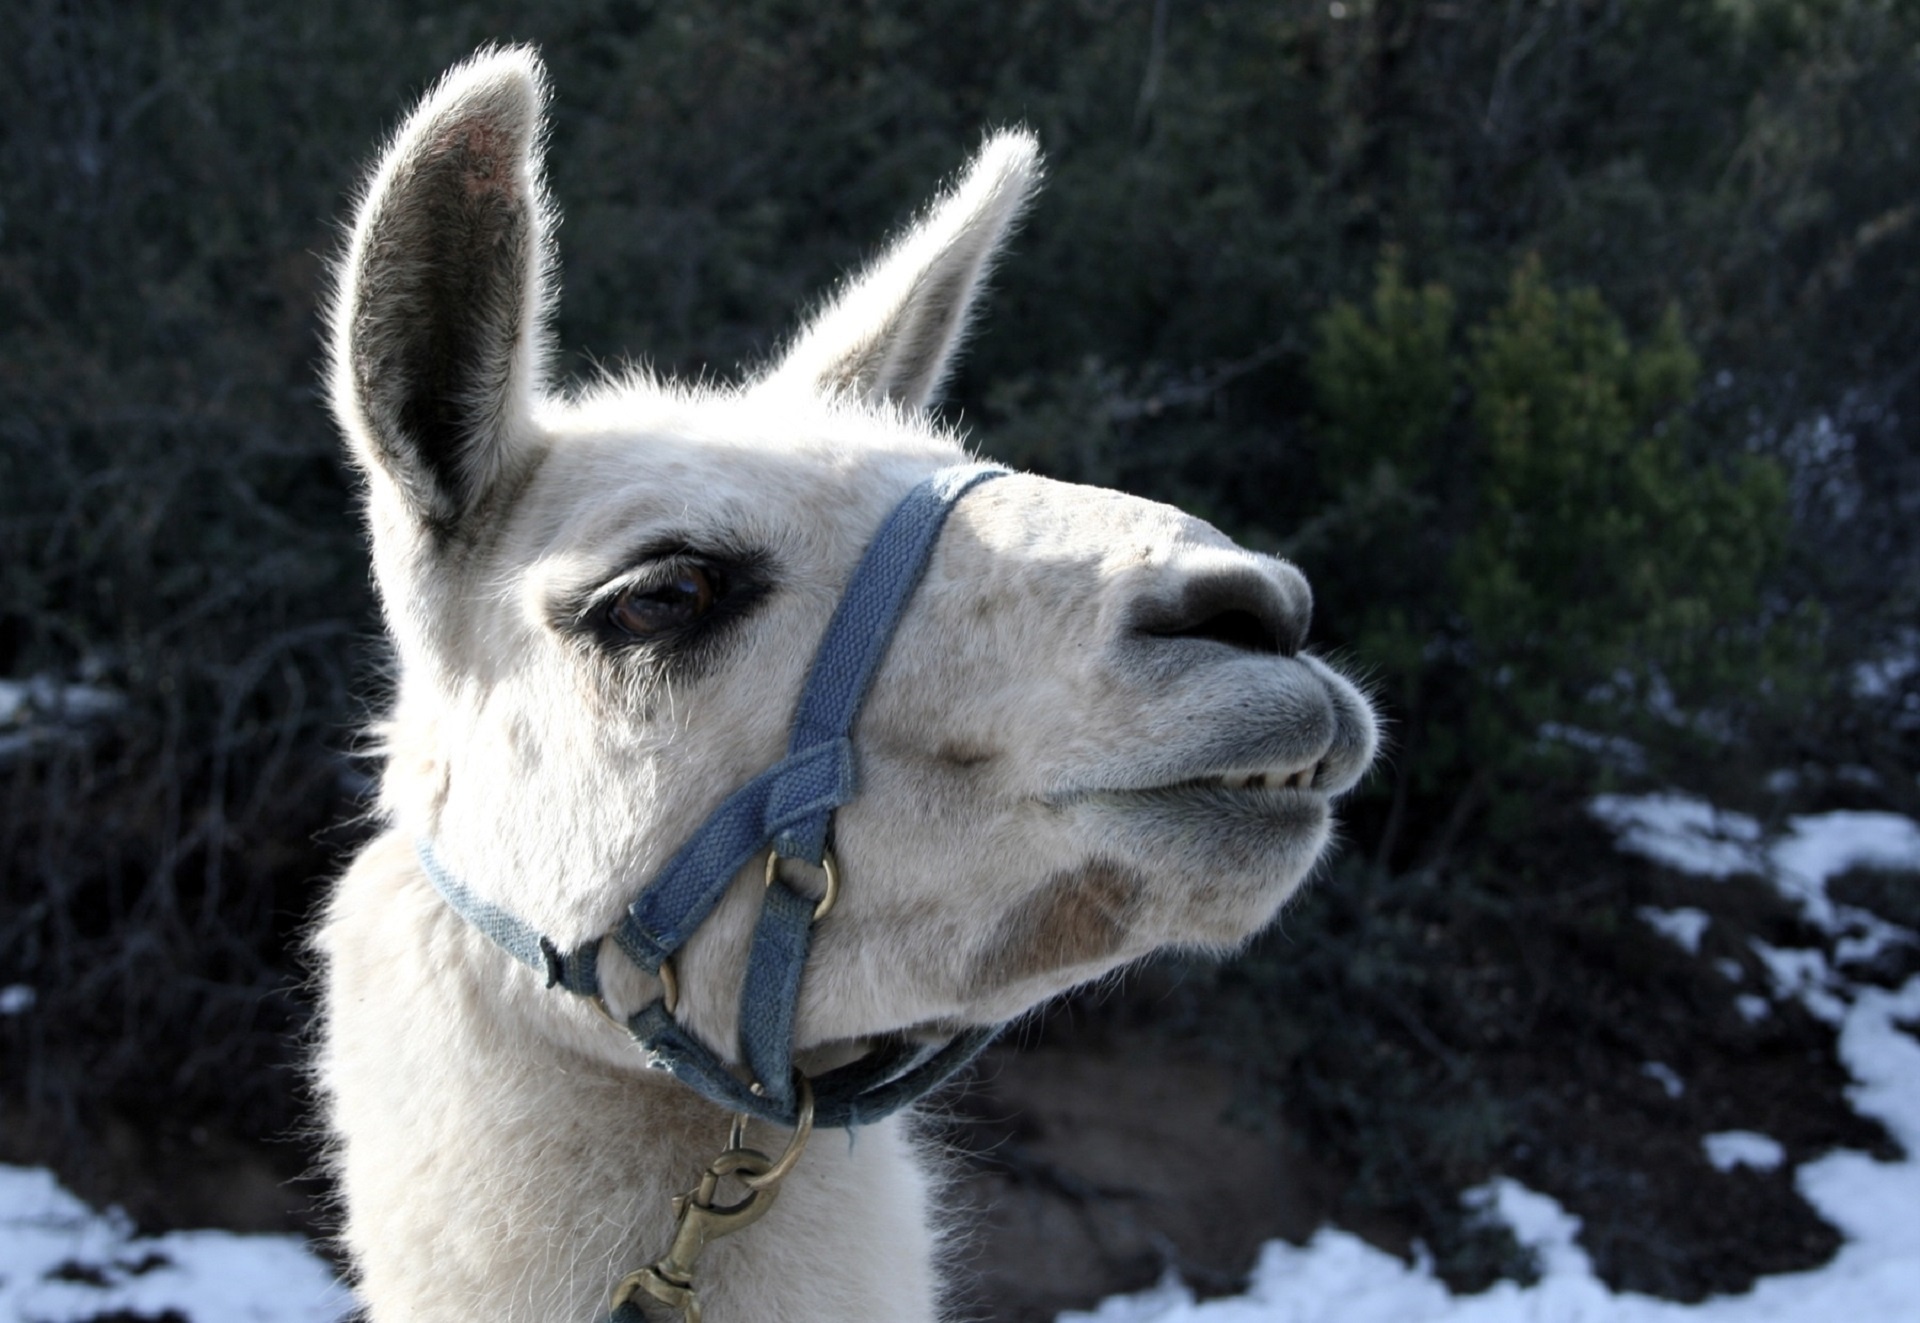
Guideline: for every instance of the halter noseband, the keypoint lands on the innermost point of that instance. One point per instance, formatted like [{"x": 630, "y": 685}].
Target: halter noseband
[{"x": 788, "y": 810}]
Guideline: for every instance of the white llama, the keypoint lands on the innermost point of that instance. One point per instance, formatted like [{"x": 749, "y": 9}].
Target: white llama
[{"x": 1094, "y": 734}]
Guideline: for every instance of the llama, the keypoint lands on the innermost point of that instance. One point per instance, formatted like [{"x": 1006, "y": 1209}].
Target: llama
[{"x": 1093, "y": 734}]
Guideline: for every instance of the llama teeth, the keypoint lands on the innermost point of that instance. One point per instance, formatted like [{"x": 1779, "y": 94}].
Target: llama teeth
[{"x": 1265, "y": 780}]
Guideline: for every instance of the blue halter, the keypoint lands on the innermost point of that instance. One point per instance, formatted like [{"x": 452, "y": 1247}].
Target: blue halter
[{"x": 789, "y": 809}]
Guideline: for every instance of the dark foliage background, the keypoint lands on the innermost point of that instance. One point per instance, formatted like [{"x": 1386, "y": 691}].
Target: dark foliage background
[{"x": 1569, "y": 345}]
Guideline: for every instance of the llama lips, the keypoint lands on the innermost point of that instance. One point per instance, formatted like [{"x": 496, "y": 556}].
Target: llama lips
[
  {"x": 1262, "y": 828},
  {"x": 1271, "y": 780},
  {"x": 1301, "y": 779}
]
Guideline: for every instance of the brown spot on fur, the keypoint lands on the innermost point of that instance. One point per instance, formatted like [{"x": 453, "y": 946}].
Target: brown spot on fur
[
  {"x": 963, "y": 755},
  {"x": 1076, "y": 918}
]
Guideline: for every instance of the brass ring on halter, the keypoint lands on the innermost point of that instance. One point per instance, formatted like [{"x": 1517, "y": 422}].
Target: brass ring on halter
[
  {"x": 802, "y": 1130},
  {"x": 599, "y": 1002},
  {"x": 828, "y": 864},
  {"x": 669, "y": 984},
  {"x": 669, "y": 995}
]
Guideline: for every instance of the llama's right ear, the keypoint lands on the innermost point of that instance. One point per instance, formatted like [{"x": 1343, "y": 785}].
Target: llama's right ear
[
  {"x": 891, "y": 334},
  {"x": 438, "y": 321}
]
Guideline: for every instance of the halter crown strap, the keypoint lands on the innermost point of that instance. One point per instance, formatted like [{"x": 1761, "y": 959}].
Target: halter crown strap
[{"x": 789, "y": 807}]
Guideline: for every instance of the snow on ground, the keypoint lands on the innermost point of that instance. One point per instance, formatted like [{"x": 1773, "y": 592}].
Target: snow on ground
[
  {"x": 1875, "y": 1278},
  {"x": 1682, "y": 832},
  {"x": 1684, "y": 926},
  {"x": 1666, "y": 1077},
  {"x": 1693, "y": 836},
  {"x": 1828, "y": 844},
  {"x": 61, "y": 1262},
  {"x": 1744, "y": 1148}
]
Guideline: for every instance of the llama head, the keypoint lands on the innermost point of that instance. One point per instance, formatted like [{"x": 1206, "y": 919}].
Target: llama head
[{"x": 1096, "y": 732}]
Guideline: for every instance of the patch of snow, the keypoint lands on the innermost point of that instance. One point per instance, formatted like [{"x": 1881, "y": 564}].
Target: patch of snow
[
  {"x": 16, "y": 999},
  {"x": 1863, "y": 935},
  {"x": 1683, "y": 926},
  {"x": 1729, "y": 969},
  {"x": 1805, "y": 976},
  {"x": 1693, "y": 836},
  {"x": 1822, "y": 846},
  {"x": 1663, "y": 1075},
  {"x": 1743, "y": 1148},
  {"x": 1874, "y": 1278},
  {"x": 1683, "y": 833},
  {"x": 61, "y": 1262}
]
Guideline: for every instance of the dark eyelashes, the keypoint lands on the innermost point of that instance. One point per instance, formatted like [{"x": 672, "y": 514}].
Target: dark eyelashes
[{"x": 740, "y": 580}]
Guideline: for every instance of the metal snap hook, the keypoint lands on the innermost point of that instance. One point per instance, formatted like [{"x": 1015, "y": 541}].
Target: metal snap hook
[{"x": 699, "y": 1219}]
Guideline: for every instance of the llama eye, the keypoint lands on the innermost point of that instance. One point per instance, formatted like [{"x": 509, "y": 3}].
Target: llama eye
[{"x": 650, "y": 610}]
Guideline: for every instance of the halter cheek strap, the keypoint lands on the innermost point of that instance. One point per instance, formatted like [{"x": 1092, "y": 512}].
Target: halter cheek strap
[{"x": 787, "y": 809}]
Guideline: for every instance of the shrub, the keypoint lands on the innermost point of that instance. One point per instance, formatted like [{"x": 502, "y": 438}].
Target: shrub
[{"x": 1532, "y": 531}]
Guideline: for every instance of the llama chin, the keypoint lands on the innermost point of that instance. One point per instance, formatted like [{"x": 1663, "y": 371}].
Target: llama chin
[{"x": 1093, "y": 732}]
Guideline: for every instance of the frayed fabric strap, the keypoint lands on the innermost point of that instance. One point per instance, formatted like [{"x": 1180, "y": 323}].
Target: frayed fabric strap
[{"x": 788, "y": 808}]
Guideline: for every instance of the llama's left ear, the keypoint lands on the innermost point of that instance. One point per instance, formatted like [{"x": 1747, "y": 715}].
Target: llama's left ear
[
  {"x": 437, "y": 328},
  {"x": 891, "y": 334}
]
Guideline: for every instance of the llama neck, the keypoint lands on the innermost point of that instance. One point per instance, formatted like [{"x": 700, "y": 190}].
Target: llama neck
[{"x": 491, "y": 1170}]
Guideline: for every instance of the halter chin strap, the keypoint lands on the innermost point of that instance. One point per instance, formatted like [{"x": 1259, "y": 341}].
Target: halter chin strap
[{"x": 787, "y": 809}]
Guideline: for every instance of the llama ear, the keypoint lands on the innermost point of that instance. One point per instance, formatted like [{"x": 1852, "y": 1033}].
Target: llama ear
[
  {"x": 891, "y": 334},
  {"x": 437, "y": 325}
]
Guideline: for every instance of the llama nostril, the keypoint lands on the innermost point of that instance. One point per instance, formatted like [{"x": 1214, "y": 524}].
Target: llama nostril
[
  {"x": 1245, "y": 609},
  {"x": 1236, "y": 629}
]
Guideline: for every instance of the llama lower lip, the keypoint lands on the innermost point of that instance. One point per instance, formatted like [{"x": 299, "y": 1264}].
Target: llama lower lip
[{"x": 1271, "y": 833}]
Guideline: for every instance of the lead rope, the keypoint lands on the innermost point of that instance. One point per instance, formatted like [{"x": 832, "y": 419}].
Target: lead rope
[{"x": 698, "y": 1220}]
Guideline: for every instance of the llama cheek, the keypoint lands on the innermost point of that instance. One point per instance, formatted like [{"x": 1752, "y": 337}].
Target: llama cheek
[{"x": 1078, "y": 918}]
